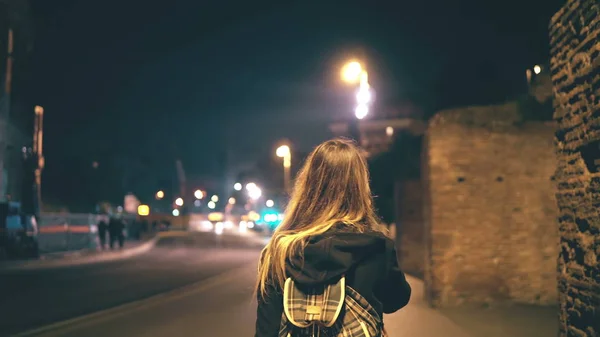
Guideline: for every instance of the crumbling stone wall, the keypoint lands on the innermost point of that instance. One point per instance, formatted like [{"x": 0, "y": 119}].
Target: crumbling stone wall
[
  {"x": 490, "y": 211},
  {"x": 575, "y": 65}
]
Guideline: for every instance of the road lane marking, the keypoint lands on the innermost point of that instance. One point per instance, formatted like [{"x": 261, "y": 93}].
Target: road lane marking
[{"x": 60, "y": 328}]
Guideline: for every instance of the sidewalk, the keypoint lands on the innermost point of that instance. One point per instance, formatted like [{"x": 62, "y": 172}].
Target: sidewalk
[
  {"x": 79, "y": 257},
  {"x": 419, "y": 320}
]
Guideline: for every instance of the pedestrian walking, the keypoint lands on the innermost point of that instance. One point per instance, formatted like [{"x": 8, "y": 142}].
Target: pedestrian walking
[
  {"x": 116, "y": 228},
  {"x": 102, "y": 229},
  {"x": 329, "y": 269}
]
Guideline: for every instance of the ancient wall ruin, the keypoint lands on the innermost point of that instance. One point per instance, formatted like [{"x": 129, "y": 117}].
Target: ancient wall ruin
[
  {"x": 575, "y": 66},
  {"x": 490, "y": 209}
]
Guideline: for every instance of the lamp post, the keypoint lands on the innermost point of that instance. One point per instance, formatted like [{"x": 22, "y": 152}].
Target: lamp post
[
  {"x": 284, "y": 152},
  {"x": 354, "y": 73}
]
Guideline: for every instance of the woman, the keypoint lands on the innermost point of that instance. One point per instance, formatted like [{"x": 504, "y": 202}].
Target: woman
[{"x": 330, "y": 230}]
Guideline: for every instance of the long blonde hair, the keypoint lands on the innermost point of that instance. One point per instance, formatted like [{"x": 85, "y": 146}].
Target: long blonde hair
[{"x": 331, "y": 188}]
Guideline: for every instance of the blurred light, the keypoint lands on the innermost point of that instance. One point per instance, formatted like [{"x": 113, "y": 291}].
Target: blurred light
[
  {"x": 537, "y": 69},
  {"x": 270, "y": 203},
  {"x": 143, "y": 210},
  {"x": 197, "y": 203},
  {"x": 211, "y": 205},
  {"x": 243, "y": 226},
  {"x": 283, "y": 151},
  {"x": 120, "y": 209},
  {"x": 280, "y": 216},
  {"x": 253, "y": 216},
  {"x": 237, "y": 186},
  {"x": 207, "y": 225},
  {"x": 95, "y": 164},
  {"x": 363, "y": 96},
  {"x": 250, "y": 224},
  {"x": 255, "y": 193},
  {"x": 198, "y": 194},
  {"x": 219, "y": 228},
  {"x": 228, "y": 224},
  {"x": 389, "y": 131},
  {"x": 351, "y": 72},
  {"x": 175, "y": 212},
  {"x": 250, "y": 186},
  {"x": 270, "y": 217},
  {"x": 214, "y": 198},
  {"x": 361, "y": 111},
  {"x": 179, "y": 202},
  {"x": 160, "y": 195},
  {"x": 215, "y": 216},
  {"x": 231, "y": 201}
]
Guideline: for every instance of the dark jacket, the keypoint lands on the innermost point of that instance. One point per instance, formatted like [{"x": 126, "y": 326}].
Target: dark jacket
[{"x": 368, "y": 260}]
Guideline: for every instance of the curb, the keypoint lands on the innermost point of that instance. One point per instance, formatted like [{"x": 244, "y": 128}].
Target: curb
[
  {"x": 67, "y": 262},
  {"x": 102, "y": 315}
]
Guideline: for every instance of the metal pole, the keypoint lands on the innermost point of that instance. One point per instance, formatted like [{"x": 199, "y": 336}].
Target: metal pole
[{"x": 5, "y": 114}]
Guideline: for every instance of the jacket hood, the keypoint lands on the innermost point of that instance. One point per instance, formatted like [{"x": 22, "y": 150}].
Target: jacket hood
[{"x": 331, "y": 255}]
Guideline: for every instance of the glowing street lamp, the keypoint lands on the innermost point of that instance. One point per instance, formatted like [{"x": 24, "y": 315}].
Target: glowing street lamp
[
  {"x": 198, "y": 194},
  {"x": 351, "y": 72},
  {"x": 284, "y": 152},
  {"x": 354, "y": 73},
  {"x": 250, "y": 186},
  {"x": 237, "y": 186},
  {"x": 214, "y": 198},
  {"x": 255, "y": 193},
  {"x": 361, "y": 111},
  {"x": 179, "y": 202},
  {"x": 175, "y": 212},
  {"x": 270, "y": 203},
  {"x": 211, "y": 205},
  {"x": 231, "y": 201},
  {"x": 160, "y": 195}
]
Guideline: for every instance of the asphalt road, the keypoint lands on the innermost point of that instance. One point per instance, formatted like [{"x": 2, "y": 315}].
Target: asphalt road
[
  {"x": 32, "y": 299},
  {"x": 200, "y": 287}
]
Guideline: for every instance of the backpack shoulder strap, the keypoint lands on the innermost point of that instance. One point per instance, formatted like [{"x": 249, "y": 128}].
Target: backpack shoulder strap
[{"x": 318, "y": 305}]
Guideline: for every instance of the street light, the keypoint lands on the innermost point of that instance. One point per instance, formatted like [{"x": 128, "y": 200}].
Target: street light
[
  {"x": 255, "y": 193},
  {"x": 179, "y": 202},
  {"x": 284, "y": 152},
  {"x": 351, "y": 72},
  {"x": 250, "y": 186},
  {"x": 231, "y": 201},
  {"x": 160, "y": 195},
  {"x": 361, "y": 111},
  {"x": 237, "y": 186},
  {"x": 211, "y": 205},
  {"x": 214, "y": 198},
  {"x": 354, "y": 73},
  {"x": 270, "y": 203},
  {"x": 198, "y": 194}
]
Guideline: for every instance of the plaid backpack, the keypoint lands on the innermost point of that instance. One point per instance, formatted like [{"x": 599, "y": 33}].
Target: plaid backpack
[{"x": 327, "y": 311}]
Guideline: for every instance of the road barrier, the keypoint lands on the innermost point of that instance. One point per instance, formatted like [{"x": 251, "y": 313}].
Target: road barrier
[{"x": 59, "y": 232}]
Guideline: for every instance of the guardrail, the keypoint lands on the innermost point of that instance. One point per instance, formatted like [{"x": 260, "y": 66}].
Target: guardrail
[{"x": 58, "y": 232}]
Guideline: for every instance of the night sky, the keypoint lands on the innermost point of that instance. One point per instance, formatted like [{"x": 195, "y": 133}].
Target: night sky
[{"x": 138, "y": 83}]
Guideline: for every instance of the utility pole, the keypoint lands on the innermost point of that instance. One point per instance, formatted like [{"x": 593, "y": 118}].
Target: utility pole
[
  {"x": 38, "y": 142},
  {"x": 5, "y": 115}
]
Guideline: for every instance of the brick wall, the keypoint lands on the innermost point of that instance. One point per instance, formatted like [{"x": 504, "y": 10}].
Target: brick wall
[
  {"x": 575, "y": 66},
  {"x": 491, "y": 233},
  {"x": 409, "y": 226}
]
